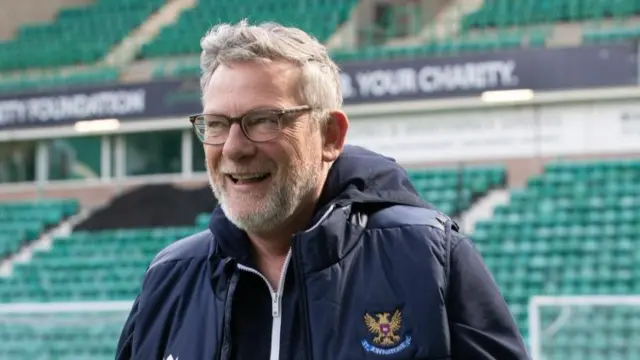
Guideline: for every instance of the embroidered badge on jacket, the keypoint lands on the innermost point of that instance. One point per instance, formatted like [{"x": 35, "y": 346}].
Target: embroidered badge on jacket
[{"x": 385, "y": 328}]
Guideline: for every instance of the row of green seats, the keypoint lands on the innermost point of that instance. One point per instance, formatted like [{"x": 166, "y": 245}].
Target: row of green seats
[
  {"x": 23, "y": 221},
  {"x": 36, "y": 284},
  {"x": 78, "y": 35},
  {"x": 81, "y": 330},
  {"x": 69, "y": 206},
  {"x": 530, "y": 231},
  {"x": 52, "y": 80},
  {"x": 600, "y": 177},
  {"x": 494, "y": 172},
  {"x": 80, "y": 293},
  {"x": 440, "y": 48},
  {"x": 12, "y": 237},
  {"x": 20, "y": 228},
  {"x": 183, "y": 37},
  {"x": 528, "y": 213},
  {"x": 30, "y": 354},
  {"x": 92, "y": 263},
  {"x": 89, "y": 265},
  {"x": 508, "y": 13},
  {"x": 569, "y": 201},
  {"x": 604, "y": 264},
  {"x": 592, "y": 168},
  {"x": 572, "y": 231},
  {"x": 610, "y": 35},
  {"x": 620, "y": 186},
  {"x": 172, "y": 42},
  {"x": 51, "y": 348},
  {"x": 202, "y": 220},
  {"x": 10, "y": 244},
  {"x": 88, "y": 249},
  {"x": 172, "y": 45},
  {"x": 571, "y": 247},
  {"x": 477, "y": 185},
  {"x": 132, "y": 234},
  {"x": 46, "y": 216}
]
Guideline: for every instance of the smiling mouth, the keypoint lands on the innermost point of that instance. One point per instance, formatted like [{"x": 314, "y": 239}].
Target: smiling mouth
[{"x": 248, "y": 178}]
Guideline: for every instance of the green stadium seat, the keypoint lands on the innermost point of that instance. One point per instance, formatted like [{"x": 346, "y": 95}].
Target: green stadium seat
[
  {"x": 452, "y": 190},
  {"x": 55, "y": 79},
  {"x": 573, "y": 230},
  {"x": 321, "y": 20},
  {"x": 78, "y": 35},
  {"x": 202, "y": 220},
  {"x": 506, "y": 13},
  {"x": 22, "y": 222}
]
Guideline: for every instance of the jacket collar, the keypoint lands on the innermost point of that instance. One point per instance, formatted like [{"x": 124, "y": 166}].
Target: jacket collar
[{"x": 359, "y": 183}]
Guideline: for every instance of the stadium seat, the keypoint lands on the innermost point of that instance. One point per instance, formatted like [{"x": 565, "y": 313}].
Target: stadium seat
[
  {"x": 55, "y": 79},
  {"x": 322, "y": 18},
  {"x": 507, "y": 13},
  {"x": 610, "y": 35},
  {"x": 81, "y": 267},
  {"x": 78, "y": 35},
  {"x": 202, "y": 221},
  {"x": 89, "y": 266},
  {"x": 452, "y": 190},
  {"x": 22, "y": 222},
  {"x": 572, "y": 231}
]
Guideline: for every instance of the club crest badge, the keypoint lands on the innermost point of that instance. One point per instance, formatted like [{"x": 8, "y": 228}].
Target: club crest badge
[{"x": 385, "y": 331}]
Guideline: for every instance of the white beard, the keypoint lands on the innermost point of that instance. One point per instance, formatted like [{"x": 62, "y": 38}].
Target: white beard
[{"x": 270, "y": 211}]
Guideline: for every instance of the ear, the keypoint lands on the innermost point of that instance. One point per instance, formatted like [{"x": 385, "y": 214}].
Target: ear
[{"x": 335, "y": 134}]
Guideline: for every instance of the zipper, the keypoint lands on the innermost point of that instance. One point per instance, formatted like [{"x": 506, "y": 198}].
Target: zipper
[
  {"x": 276, "y": 304},
  {"x": 276, "y": 296}
]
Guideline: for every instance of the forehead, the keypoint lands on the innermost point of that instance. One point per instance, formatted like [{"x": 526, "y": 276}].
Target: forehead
[{"x": 237, "y": 88}]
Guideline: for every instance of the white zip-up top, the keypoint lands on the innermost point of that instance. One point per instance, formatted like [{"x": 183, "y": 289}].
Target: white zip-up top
[{"x": 276, "y": 304}]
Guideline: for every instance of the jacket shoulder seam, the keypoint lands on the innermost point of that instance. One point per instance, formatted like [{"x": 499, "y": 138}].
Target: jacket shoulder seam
[{"x": 180, "y": 250}]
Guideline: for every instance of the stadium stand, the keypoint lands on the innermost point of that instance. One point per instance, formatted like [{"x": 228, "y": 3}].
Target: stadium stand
[
  {"x": 547, "y": 240},
  {"x": 142, "y": 221},
  {"x": 22, "y": 222},
  {"x": 453, "y": 190},
  {"x": 55, "y": 79},
  {"x": 505, "y": 13},
  {"x": 88, "y": 264},
  {"x": 84, "y": 34},
  {"x": 177, "y": 39},
  {"x": 79, "y": 35},
  {"x": 572, "y": 231}
]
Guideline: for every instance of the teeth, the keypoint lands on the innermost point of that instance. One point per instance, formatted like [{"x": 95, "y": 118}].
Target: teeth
[{"x": 248, "y": 176}]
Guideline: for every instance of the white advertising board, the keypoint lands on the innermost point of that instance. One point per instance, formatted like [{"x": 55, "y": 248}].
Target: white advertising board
[{"x": 502, "y": 133}]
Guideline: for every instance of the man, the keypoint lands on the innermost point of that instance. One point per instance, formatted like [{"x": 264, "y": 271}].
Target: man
[{"x": 317, "y": 250}]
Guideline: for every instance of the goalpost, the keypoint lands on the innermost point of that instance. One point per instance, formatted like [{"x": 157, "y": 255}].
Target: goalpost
[
  {"x": 586, "y": 327},
  {"x": 69, "y": 330}
]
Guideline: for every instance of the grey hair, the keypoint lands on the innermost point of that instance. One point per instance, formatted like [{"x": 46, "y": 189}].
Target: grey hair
[{"x": 227, "y": 43}]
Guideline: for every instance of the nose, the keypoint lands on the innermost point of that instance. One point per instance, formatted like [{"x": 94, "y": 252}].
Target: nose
[{"x": 238, "y": 146}]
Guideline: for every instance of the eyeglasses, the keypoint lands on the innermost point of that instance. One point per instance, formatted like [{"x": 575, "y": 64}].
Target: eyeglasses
[{"x": 257, "y": 125}]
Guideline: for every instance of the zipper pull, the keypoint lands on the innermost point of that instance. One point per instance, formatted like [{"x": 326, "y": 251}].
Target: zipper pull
[{"x": 275, "y": 308}]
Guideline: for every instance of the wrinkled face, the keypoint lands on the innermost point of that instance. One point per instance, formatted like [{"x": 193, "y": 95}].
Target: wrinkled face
[{"x": 261, "y": 185}]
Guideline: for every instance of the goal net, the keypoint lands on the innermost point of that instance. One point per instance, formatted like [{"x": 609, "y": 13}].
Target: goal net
[
  {"x": 61, "y": 331},
  {"x": 598, "y": 327}
]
